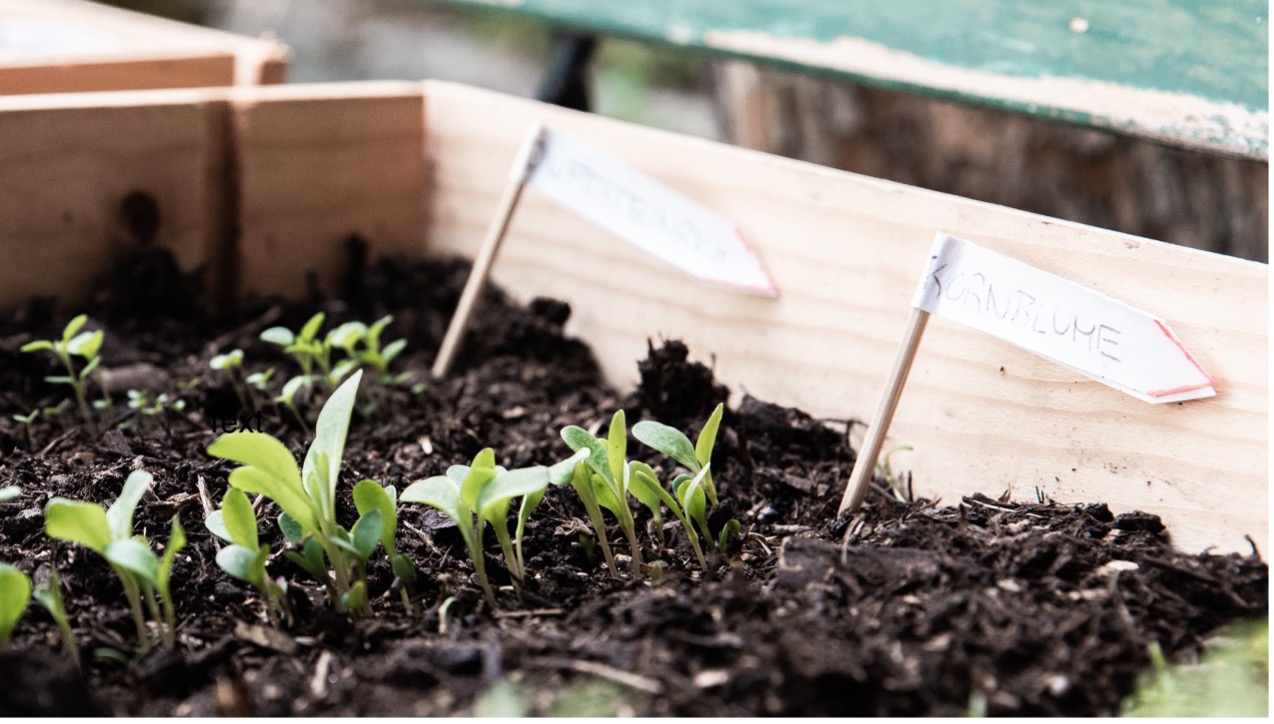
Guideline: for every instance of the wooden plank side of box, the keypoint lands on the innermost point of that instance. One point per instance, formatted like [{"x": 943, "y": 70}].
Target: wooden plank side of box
[
  {"x": 81, "y": 173},
  {"x": 318, "y": 166},
  {"x": 60, "y": 46},
  {"x": 847, "y": 252}
]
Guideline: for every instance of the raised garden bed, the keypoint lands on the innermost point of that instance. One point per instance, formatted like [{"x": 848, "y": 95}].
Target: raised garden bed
[
  {"x": 932, "y": 609},
  {"x": 1044, "y": 608}
]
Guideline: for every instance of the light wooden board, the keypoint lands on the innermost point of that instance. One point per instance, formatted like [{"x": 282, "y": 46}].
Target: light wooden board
[
  {"x": 1188, "y": 73},
  {"x": 318, "y": 164},
  {"x": 847, "y": 251},
  {"x": 58, "y": 46},
  {"x": 68, "y": 161}
]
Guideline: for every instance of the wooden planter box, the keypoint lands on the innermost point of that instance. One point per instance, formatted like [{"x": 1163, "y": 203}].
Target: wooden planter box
[
  {"x": 55, "y": 46},
  {"x": 263, "y": 185}
]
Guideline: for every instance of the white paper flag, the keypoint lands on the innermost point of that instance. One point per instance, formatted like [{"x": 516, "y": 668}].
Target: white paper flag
[
  {"x": 1089, "y": 332},
  {"x": 644, "y": 212}
]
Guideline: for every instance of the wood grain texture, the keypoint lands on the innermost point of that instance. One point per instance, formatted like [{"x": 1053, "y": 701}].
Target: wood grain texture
[
  {"x": 847, "y": 251},
  {"x": 1182, "y": 72},
  {"x": 60, "y": 46},
  {"x": 68, "y": 161},
  {"x": 317, "y": 165}
]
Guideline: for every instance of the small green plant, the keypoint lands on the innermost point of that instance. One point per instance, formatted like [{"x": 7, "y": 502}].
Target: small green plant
[
  {"x": 49, "y": 595},
  {"x": 314, "y": 354},
  {"x": 370, "y": 496},
  {"x": 375, "y": 357},
  {"x": 886, "y": 472},
  {"x": 15, "y": 592},
  {"x": 231, "y": 365},
  {"x": 602, "y": 481},
  {"x": 148, "y": 408},
  {"x": 696, "y": 490},
  {"x": 645, "y": 487},
  {"x": 87, "y": 345},
  {"x": 27, "y": 420},
  {"x": 109, "y": 533},
  {"x": 480, "y": 494},
  {"x": 307, "y": 497},
  {"x": 245, "y": 557}
]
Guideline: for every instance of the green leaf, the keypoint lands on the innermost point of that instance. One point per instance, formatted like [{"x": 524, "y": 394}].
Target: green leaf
[
  {"x": 368, "y": 496},
  {"x": 728, "y": 533},
  {"x": 484, "y": 459},
  {"x": 329, "y": 435},
  {"x": 15, "y": 593},
  {"x": 311, "y": 328},
  {"x": 604, "y": 494},
  {"x": 59, "y": 380},
  {"x": 343, "y": 368},
  {"x": 457, "y": 473},
  {"x": 366, "y": 533},
  {"x": 231, "y": 359},
  {"x": 176, "y": 541},
  {"x": 240, "y": 519},
  {"x": 392, "y": 350},
  {"x": 73, "y": 326},
  {"x": 268, "y": 469},
  {"x": 474, "y": 482},
  {"x": 439, "y": 492},
  {"x": 281, "y": 336},
  {"x": 373, "y": 332},
  {"x": 291, "y": 387},
  {"x": 644, "y": 487},
  {"x": 668, "y": 440},
  {"x": 560, "y": 473},
  {"x": 580, "y": 439},
  {"x": 694, "y": 502},
  {"x": 245, "y": 564},
  {"x": 512, "y": 484},
  {"x": 216, "y": 525},
  {"x": 347, "y": 335},
  {"x": 77, "y": 522},
  {"x": 404, "y": 569},
  {"x": 617, "y": 450},
  {"x": 86, "y": 344},
  {"x": 311, "y": 559},
  {"x": 90, "y": 368},
  {"x": 134, "y": 556},
  {"x": 356, "y": 597},
  {"x": 9, "y": 492},
  {"x": 36, "y": 346},
  {"x": 120, "y": 515}
]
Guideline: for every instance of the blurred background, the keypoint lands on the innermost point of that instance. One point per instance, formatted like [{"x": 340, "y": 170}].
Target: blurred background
[{"x": 1093, "y": 177}]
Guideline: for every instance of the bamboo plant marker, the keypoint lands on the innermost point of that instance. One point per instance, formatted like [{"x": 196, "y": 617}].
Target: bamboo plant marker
[
  {"x": 530, "y": 154},
  {"x": 1082, "y": 329},
  {"x": 629, "y": 204}
]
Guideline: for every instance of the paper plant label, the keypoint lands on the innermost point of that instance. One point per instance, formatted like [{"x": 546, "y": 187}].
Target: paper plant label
[
  {"x": 645, "y": 213},
  {"x": 1085, "y": 330}
]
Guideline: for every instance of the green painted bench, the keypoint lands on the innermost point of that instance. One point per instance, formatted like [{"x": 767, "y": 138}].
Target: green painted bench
[{"x": 1183, "y": 72}]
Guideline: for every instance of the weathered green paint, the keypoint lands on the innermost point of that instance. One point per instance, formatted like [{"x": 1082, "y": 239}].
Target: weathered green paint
[{"x": 1214, "y": 51}]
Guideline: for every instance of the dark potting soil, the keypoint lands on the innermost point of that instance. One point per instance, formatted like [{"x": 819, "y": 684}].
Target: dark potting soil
[{"x": 1036, "y": 609}]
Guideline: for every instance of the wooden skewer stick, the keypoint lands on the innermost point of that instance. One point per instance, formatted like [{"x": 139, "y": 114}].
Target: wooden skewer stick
[
  {"x": 865, "y": 465},
  {"x": 527, "y": 158}
]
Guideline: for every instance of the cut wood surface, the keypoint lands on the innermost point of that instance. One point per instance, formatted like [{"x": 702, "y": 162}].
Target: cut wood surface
[
  {"x": 69, "y": 161},
  {"x": 1181, "y": 72},
  {"x": 60, "y": 46},
  {"x": 321, "y": 164},
  {"x": 847, "y": 252}
]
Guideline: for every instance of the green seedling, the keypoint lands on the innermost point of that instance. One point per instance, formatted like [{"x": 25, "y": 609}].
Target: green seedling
[
  {"x": 231, "y": 365},
  {"x": 109, "y": 533},
  {"x": 151, "y": 409},
  {"x": 314, "y": 354},
  {"x": 370, "y": 496},
  {"x": 644, "y": 485},
  {"x": 481, "y": 493},
  {"x": 375, "y": 357},
  {"x": 49, "y": 595},
  {"x": 288, "y": 397},
  {"x": 602, "y": 480},
  {"x": 245, "y": 557},
  {"x": 259, "y": 381},
  {"x": 15, "y": 592},
  {"x": 696, "y": 490},
  {"x": 27, "y": 420},
  {"x": 87, "y": 345},
  {"x": 307, "y": 497},
  {"x": 886, "y": 471}
]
